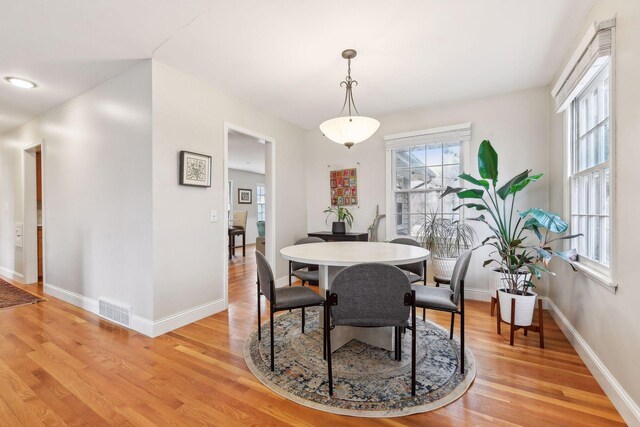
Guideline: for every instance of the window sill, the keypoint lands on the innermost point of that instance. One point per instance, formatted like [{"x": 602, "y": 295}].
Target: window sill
[{"x": 602, "y": 279}]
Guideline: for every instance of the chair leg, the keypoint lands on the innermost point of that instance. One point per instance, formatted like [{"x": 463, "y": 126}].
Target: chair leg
[
  {"x": 231, "y": 237},
  {"x": 244, "y": 249},
  {"x": 414, "y": 328},
  {"x": 272, "y": 351},
  {"x": 290, "y": 273},
  {"x": 462, "y": 341},
  {"x": 327, "y": 334},
  {"x": 453, "y": 319},
  {"x": 303, "y": 316},
  {"x": 259, "y": 316},
  {"x": 513, "y": 320},
  {"x": 324, "y": 341}
]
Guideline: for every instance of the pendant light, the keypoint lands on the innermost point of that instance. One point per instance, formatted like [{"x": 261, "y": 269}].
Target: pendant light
[{"x": 350, "y": 129}]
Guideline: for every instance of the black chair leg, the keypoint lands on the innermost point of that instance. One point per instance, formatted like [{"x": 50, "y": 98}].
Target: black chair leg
[
  {"x": 424, "y": 314},
  {"x": 259, "y": 316},
  {"x": 272, "y": 351},
  {"x": 413, "y": 348},
  {"x": 324, "y": 342},
  {"x": 290, "y": 273},
  {"x": 453, "y": 318},
  {"x": 327, "y": 333},
  {"x": 462, "y": 342},
  {"x": 303, "y": 316}
]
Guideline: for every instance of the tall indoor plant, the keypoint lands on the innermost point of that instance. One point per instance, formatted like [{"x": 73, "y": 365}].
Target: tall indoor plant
[
  {"x": 342, "y": 214},
  {"x": 446, "y": 239},
  {"x": 512, "y": 233}
]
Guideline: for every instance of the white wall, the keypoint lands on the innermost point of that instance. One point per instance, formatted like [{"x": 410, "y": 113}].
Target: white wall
[
  {"x": 244, "y": 179},
  {"x": 97, "y": 192},
  {"x": 188, "y": 114},
  {"x": 609, "y": 324},
  {"x": 516, "y": 124}
]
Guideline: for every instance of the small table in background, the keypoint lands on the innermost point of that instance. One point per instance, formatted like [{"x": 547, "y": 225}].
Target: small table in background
[{"x": 328, "y": 236}]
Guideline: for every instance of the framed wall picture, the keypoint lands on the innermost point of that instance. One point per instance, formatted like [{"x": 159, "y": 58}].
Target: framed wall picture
[
  {"x": 344, "y": 187},
  {"x": 195, "y": 169},
  {"x": 244, "y": 196}
]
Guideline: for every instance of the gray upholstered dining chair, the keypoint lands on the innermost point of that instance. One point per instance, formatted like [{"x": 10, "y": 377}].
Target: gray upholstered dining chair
[
  {"x": 286, "y": 298},
  {"x": 305, "y": 272},
  {"x": 449, "y": 299},
  {"x": 417, "y": 271},
  {"x": 371, "y": 295}
]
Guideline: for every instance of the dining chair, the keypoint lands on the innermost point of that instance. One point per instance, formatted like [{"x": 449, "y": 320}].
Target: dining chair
[
  {"x": 449, "y": 299},
  {"x": 416, "y": 271},
  {"x": 280, "y": 299},
  {"x": 305, "y": 272},
  {"x": 371, "y": 295},
  {"x": 238, "y": 228}
]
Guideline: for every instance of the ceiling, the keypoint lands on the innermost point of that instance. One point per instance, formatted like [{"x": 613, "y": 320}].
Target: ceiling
[
  {"x": 283, "y": 56},
  {"x": 246, "y": 153}
]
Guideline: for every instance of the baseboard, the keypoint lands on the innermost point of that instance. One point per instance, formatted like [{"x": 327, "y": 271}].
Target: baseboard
[
  {"x": 11, "y": 274},
  {"x": 629, "y": 410},
  {"x": 141, "y": 324},
  {"x": 185, "y": 317}
]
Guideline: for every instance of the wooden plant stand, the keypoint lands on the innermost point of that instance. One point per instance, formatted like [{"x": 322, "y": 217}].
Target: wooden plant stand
[{"x": 539, "y": 328}]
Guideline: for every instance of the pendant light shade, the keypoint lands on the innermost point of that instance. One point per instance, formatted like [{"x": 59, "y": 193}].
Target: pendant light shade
[
  {"x": 349, "y": 130},
  {"x": 352, "y": 128}
]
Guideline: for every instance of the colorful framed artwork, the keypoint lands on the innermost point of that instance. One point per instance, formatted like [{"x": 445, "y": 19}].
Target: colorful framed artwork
[
  {"x": 195, "y": 169},
  {"x": 344, "y": 187},
  {"x": 244, "y": 196}
]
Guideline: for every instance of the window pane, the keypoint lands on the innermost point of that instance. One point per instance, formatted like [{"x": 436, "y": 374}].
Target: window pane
[
  {"x": 607, "y": 191},
  {"x": 433, "y": 202},
  {"x": 402, "y": 203},
  {"x": 593, "y": 108},
  {"x": 449, "y": 202},
  {"x": 434, "y": 177},
  {"x": 591, "y": 149},
  {"x": 450, "y": 176},
  {"x": 416, "y": 223},
  {"x": 402, "y": 158},
  {"x": 418, "y": 155},
  {"x": 434, "y": 154},
  {"x": 582, "y": 153},
  {"x": 594, "y": 199},
  {"x": 574, "y": 196},
  {"x": 594, "y": 240},
  {"x": 583, "y": 194},
  {"x": 418, "y": 178},
  {"x": 417, "y": 202},
  {"x": 582, "y": 247},
  {"x": 606, "y": 255},
  {"x": 451, "y": 153},
  {"x": 402, "y": 225},
  {"x": 402, "y": 179},
  {"x": 582, "y": 117},
  {"x": 605, "y": 96},
  {"x": 606, "y": 141}
]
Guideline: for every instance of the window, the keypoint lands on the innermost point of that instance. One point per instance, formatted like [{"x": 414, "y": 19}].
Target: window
[
  {"x": 421, "y": 165},
  {"x": 260, "y": 200},
  {"x": 590, "y": 170}
]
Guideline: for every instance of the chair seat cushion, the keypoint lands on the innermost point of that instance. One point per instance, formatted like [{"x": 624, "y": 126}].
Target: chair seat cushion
[
  {"x": 296, "y": 296},
  {"x": 307, "y": 276},
  {"x": 434, "y": 298},
  {"x": 413, "y": 277}
]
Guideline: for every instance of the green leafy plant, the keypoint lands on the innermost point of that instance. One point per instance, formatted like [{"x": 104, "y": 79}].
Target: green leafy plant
[
  {"x": 340, "y": 212},
  {"x": 512, "y": 232},
  {"x": 444, "y": 237}
]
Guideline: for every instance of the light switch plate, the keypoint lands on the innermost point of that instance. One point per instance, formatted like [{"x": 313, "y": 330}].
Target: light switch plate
[{"x": 214, "y": 215}]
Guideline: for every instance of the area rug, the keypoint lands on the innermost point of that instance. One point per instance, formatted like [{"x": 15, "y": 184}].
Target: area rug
[
  {"x": 368, "y": 382},
  {"x": 12, "y": 296}
]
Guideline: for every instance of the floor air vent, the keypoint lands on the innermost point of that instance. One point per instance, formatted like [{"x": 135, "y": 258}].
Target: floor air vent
[{"x": 116, "y": 312}]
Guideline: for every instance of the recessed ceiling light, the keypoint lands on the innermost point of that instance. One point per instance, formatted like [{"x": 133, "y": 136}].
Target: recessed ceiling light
[{"x": 18, "y": 82}]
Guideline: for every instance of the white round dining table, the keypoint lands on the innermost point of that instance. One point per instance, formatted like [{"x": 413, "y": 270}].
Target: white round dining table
[{"x": 331, "y": 257}]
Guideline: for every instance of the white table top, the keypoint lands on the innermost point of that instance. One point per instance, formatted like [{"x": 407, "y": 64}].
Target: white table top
[{"x": 344, "y": 254}]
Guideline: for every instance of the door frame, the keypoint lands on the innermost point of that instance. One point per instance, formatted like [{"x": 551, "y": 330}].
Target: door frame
[
  {"x": 30, "y": 213},
  {"x": 270, "y": 197}
]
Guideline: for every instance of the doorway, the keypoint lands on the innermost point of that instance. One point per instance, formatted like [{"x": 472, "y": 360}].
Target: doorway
[
  {"x": 249, "y": 169},
  {"x": 33, "y": 215}
]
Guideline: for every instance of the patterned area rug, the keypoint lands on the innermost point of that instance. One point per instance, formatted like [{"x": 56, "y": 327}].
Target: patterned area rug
[
  {"x": 367, "y": 381},
  {"x": 11, "y": 296}
]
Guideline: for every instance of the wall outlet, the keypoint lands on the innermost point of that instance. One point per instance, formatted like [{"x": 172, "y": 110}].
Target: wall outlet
[{"x": 214, "y": 215}]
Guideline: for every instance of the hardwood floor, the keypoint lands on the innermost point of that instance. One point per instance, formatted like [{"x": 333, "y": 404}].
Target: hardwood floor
[{"x": 62, "y": 365}]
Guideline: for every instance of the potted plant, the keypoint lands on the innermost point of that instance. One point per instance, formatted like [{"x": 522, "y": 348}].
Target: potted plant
[
  {"x": 446, "y": 239},
  {"x": 522, "y": 240},
  {"x": 343, "y": 216}
]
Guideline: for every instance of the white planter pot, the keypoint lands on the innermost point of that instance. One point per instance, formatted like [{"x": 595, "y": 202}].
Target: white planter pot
[
  {"x": 497, "y": 280},
  {"x": 443, "y": 267},
  {"x": 524, "y": 307}
]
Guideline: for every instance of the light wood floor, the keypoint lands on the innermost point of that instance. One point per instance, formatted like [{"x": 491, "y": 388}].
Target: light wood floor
[{"x": 61, "y": 365}]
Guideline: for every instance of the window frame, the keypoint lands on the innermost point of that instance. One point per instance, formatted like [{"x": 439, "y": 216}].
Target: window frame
[
  {"x": 460, "y": 133},
  {"x": 602, "y": 274}
]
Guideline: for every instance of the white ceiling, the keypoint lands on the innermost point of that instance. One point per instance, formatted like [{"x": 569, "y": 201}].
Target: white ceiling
[
  {"x": 283, "y": 56},
  {"x": 246, "y": 153}
]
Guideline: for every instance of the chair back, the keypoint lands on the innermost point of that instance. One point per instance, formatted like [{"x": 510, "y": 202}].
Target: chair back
[
  {"x": 240, "y": 219},
  {"x": 265, "y": 278},
  {"x": 416, "y": 267},
  {"x": 370, "y": 295},
  {"x": 305, "y": 240},
  {"x": 459, "y": 273}
]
